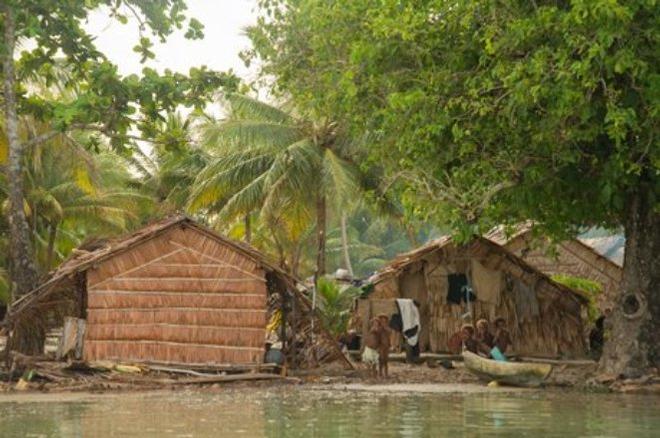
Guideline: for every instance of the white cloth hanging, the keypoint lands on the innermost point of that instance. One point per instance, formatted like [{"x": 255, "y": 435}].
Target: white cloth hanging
[{"x": 409, "y": 319}]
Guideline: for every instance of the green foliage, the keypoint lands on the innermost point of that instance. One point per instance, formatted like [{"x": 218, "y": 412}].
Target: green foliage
[
  {"x": 591, "y": 289},
  {"x": 104, "y": 101},
  {"x": 335, "y": 305},
  {"x": 268, "y": 161},
  {"x": 71, "y": 193},
  {"x": 374, "y": 239},
  {"x": 484, "y": 113}
]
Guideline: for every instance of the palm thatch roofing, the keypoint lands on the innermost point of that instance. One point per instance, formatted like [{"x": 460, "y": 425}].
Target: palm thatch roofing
[
  {"x": 94, "y": 252},
  {"x": 608, "y": 249},
  {"x": 400, "y": 263}
]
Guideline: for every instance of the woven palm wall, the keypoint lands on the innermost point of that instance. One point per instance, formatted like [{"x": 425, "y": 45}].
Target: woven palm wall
[{"x": 179, "y": 298}]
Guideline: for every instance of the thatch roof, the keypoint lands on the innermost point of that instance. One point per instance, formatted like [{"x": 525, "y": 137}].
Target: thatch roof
[
  {"x": 94, "y": 252},
  {"x": 400, "y": 263},
  {"x": 609, "y": 249}
]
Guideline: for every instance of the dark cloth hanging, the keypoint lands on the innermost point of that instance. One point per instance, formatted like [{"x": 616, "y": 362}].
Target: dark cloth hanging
[
  {"x": 396, "y": 323},
  {"x": 456, "y": 290}
]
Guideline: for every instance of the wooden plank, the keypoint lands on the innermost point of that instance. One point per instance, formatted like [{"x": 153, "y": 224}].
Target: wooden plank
[
  {"x": 229, "y": 378},
  {"x": 71, "y": 342}
]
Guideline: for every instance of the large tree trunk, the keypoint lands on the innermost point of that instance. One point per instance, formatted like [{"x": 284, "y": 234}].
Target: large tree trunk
[
  {"x": 345, "y": 245},
  {"x": 23, "y": 267},
  {"x": 22, "y": 264},
  {"x": 320, "y": 235},
  {"x": 634, "y": 325}
]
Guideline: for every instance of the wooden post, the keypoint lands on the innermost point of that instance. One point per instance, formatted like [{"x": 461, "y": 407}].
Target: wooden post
[
  {"x": 72, "y": 338},
  {"x": 283, "y": 309},
  {"x": 294, "y": 325},
  {"x": 81, "y": 294}
]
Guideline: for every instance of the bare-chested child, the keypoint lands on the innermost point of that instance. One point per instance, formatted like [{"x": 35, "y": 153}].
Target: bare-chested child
[
  {"x": 370, "y": 354},
  {"x": 383, "y": 345}
]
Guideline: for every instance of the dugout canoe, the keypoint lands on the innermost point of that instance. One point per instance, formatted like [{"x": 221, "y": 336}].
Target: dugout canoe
[{"x": 508, "y": 373}]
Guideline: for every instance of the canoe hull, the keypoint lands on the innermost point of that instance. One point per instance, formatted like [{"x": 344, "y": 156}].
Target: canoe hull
[{"x": 509, "y": 373}]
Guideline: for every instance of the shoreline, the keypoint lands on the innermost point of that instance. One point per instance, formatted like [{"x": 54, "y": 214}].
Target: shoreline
[{"x": 404, "y": 378}]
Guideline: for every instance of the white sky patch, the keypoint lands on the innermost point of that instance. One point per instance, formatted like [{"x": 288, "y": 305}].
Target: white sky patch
[
  {"x": 223, "y": 20},
  {"x": 224, "y": 23}
]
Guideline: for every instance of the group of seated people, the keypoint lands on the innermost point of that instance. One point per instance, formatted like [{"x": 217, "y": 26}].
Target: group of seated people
[{"x": 481, "y": 340}]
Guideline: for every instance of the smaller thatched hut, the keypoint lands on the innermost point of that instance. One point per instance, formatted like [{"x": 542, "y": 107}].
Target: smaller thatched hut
[
  {"x": 544, "y": 318},
  {"x": 573, "y": 257},
  {"x": 175, "y": 292}
]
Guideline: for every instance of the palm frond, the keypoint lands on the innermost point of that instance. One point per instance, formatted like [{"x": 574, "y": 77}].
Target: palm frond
[{"x": 245, "y": 107}]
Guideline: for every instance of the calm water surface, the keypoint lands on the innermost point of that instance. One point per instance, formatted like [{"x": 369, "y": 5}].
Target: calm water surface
[{"x": 316, "y": 413}]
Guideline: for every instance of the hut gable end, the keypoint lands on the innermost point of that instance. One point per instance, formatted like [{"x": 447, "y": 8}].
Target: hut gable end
[
  {"x": 570, "y": 257},
  {"x": 178, "y": 297},
  {"x": 544, "y": 317}
]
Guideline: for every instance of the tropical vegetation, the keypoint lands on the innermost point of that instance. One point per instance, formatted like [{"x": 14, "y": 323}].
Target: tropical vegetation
[{"x": 387, "y": 122}]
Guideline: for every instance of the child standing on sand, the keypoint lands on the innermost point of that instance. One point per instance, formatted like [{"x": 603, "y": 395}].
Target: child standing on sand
[
  {"x": 370, "y": 354},
  {"x": 383, "y": 345}
]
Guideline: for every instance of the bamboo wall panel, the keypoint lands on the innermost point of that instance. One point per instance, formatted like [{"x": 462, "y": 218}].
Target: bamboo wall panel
[
  {"x": 169, "y": 352},
  {"x": 152, "y": 300},
  {"x": 210, "y": 335}
]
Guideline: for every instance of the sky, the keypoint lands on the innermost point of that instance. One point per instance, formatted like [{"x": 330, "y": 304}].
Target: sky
[{"x": 223, "y": 21}]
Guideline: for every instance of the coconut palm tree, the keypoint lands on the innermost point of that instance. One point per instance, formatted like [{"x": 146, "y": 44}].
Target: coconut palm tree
[
  {"x": 267, "y": 160},
  {"x": 71, "y": 193},
  {"x": 167, "y": 168}
]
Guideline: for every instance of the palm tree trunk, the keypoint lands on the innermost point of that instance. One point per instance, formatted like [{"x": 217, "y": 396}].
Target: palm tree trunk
[
  {"x": 23, "y": 267},
  {"x": 344, "y": 245},
  {"x": 248, "y": 228},
  {"x": 50, "y": 252},
  {"x": 320, "y": 234},
  {"x": 27, "y": 340},
  {"x": 411, "y": 234}
]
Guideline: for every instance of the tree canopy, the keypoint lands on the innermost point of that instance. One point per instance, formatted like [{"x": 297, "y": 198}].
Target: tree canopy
[
  {"x": 495, "y": 112},
  {"x": 539, "y": 110}
]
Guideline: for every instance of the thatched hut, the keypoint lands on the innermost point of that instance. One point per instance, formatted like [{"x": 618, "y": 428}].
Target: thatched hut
[
  {"x": 544, "y": 318},
  {"x": 173, "y": 292},
  {"x": 573, "y": 257}
]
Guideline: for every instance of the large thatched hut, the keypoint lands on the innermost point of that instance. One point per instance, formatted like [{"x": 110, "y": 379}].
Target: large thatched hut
[
  {"x": 544, "y": 318},
  {"x": 573, "y": 257},
  {"x": 173, "y": 292}
]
